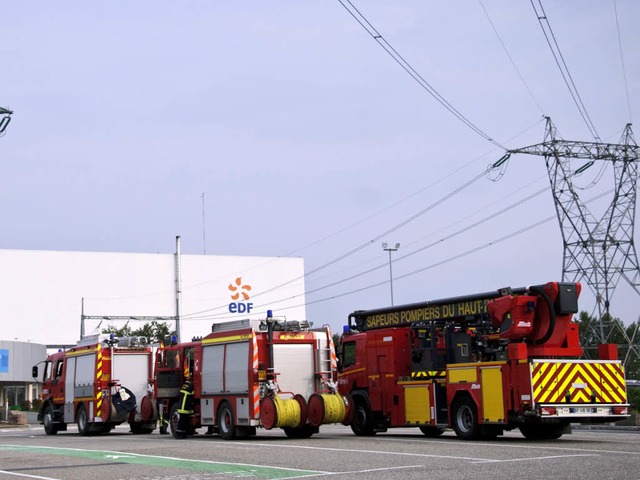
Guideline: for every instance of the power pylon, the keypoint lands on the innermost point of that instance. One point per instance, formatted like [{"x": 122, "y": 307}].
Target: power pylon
[
  {"x": 5, "y": 118},
  {"x": 599, "y": 252}
]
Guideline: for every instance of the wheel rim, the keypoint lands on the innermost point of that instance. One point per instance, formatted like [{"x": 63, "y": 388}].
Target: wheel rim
[
  {"x": 225, "y": 420},
  {"x": 175, "y": 420},
  {"x": 82, "y": 420},
  {"x": 465, "y": 418},
  {"x": 360, "y": 419},
  {"x": 48, "y": 420}
]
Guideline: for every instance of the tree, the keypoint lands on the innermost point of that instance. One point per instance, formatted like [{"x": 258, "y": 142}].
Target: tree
[
  {"x": 153, "y": 331},
  {"x": 627, "y": 339}
]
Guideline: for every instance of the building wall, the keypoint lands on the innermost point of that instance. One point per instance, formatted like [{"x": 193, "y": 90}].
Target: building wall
[
  {"x": 17, "y": 358},
  {"x": 16, "y": 382},
  {"x": 42, "y": 292}
]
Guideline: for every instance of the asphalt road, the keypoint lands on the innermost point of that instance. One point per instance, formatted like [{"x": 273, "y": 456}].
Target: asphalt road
[{"x": 334, "y": 453}]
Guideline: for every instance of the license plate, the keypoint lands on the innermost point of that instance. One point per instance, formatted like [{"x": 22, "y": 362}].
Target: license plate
[{"x": 582, "y": 410}]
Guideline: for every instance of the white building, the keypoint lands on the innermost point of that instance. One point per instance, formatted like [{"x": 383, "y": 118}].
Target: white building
[
  {"x": 45, "y": 293},
  {"x": 16, "y": 383}
]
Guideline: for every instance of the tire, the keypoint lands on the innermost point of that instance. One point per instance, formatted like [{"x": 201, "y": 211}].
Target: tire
[
  {"x": 226, "y": 425},
  {"x": 306, "y": 431},
  {"x": 542, "y": 432},
  {"x": 465, "y": 419},
  {"x": 50, "y": 428},
  {"x": 174, "y": 421},
  {"x": 106, "y": 428},
  {"x": 432, "y": 432},
  {"x": 362, "y": 425},
  {"x": 140, "y": 428},
  {"x": 83, "y": 421}
]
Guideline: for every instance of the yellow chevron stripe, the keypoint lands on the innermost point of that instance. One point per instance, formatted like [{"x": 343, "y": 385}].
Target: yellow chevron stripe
[
  {"x": 99, "y": 365},
  {"x": 553, "y": 380},
  {"x": 569, "y": 372}
]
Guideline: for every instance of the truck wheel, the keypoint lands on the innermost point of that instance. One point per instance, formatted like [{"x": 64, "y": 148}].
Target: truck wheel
[
  {"x": 140, "y": 428},
  {"x": 174, "y": 423},
  {"x": 362, "y": 424},
  {"x": 306, "y": 431},
  {"x": 542, "y": 432},
  {"x": 50, "y": 428},
  {"x": 465, "y": 419},
  {"x": 432, "y": 432},
  {"x": 82, "y": 421},
  {"x": 226, "y": 427}
]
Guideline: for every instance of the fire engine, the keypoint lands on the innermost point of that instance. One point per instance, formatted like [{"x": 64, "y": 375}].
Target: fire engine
[
  {"x": 480, "y": 364},
  {"x": 254, "y": 373},
  {"x": 101, "y": 382}
]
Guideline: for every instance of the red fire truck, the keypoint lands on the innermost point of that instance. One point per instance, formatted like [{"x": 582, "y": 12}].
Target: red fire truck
[
  {"x": 101, "y": 382},
  {"x": 480, "y": 364},
  {"x": 254, "y": 373}
]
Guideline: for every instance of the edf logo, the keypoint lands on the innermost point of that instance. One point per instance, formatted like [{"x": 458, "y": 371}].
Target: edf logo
[{"x": 240, "y": 295}]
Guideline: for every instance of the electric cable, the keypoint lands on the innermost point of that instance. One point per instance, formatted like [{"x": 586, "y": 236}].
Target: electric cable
[
  {"x": 366, "y": 244},
  {"x": 562, "y": 66},
  {"x": 371, "y": 30},
  {"x": 515, "y": 67},
  {"x": 414, "y": 272},
  {"x": 624, "y": 70}
]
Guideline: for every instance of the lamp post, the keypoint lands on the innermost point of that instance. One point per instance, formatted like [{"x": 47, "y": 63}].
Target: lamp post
[{"x": 389, "y": 249}]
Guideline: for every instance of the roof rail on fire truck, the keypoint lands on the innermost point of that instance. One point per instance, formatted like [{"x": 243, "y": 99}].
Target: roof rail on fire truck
[
  {"x": 106, "y": 338},
  {"x": 261, "y": 325}
]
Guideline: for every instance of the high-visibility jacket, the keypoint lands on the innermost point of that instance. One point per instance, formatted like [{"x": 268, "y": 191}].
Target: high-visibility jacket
[{"x": 186, "y": 403}]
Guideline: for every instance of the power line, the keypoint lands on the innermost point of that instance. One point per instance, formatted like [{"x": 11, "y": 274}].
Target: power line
[
  {"x": 398, "y": 202},
  {"x": 624, "y": 70},
  {"x": 562, "y": 66},
  {"x": 408, "y": 255},
  {"x": 366, "y": 244},
  {"x": 371, "y": 30},
  {"x": 515, "y": 67},
  {"x": 440, "y": 241},
  {"x": 414, "y": 272}
]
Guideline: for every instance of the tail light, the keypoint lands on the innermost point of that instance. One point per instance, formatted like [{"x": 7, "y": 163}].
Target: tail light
[
  {"x": 620, "y": 410},
  {"x": 547, "y": 411}
]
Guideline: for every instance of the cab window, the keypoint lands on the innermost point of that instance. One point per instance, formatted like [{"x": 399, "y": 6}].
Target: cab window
[
  {"x": 348, "y": 354},
  {"x": 59, "y": 368},
  {"x": 171, "y": 359},
  {"x": 48, "y": 367}
]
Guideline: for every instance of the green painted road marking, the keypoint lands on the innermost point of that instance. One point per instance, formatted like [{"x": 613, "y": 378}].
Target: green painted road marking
[{"x": 234, "y": 469}]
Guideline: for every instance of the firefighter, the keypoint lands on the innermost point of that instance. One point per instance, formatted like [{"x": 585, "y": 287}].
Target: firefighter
[{"x": 185, "y": 408}]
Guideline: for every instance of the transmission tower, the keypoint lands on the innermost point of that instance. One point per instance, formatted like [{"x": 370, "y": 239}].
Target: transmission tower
[
  {"x": 599, "y": 252},
  {"x": 5, "y": 118}
]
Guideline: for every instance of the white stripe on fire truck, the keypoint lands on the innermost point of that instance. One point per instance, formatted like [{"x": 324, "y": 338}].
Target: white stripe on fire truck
[{"x": 256, "y": 367}]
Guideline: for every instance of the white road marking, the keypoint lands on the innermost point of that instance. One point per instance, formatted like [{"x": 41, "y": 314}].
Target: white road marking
[
  {"x": 529, "y": 459},
  {"x": 26, "y": 475},
  {"x": 379, "y": 469},
  {"x": 374, "y": 452}
]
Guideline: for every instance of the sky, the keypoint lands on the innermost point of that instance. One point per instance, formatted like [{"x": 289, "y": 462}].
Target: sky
[{"x": 284, "y": 129}]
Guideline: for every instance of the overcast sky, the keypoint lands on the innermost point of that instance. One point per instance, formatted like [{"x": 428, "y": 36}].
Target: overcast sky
[{"x": 306, "y": 138}]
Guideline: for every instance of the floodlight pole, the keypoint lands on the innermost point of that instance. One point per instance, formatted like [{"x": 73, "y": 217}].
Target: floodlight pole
[{"x": 389, "y": 249}]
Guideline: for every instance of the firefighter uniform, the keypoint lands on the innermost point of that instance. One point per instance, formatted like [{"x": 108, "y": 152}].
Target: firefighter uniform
[
  {"x": 185, "y": 408},
  {"x": 164, "y": 423}
]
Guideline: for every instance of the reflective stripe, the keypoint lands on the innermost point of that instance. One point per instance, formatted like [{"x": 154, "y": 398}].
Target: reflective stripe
[{"x": 185, "y": 397}]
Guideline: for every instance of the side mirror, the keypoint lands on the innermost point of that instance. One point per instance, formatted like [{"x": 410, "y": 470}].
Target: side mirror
[{"x": 34, "y": 371}]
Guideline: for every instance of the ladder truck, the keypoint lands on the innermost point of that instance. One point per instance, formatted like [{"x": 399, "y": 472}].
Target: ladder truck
[
  {"x": 250, "y": 374},
  {"x": 100, "y": 383},
  {"x": 480, "y": 364}
]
